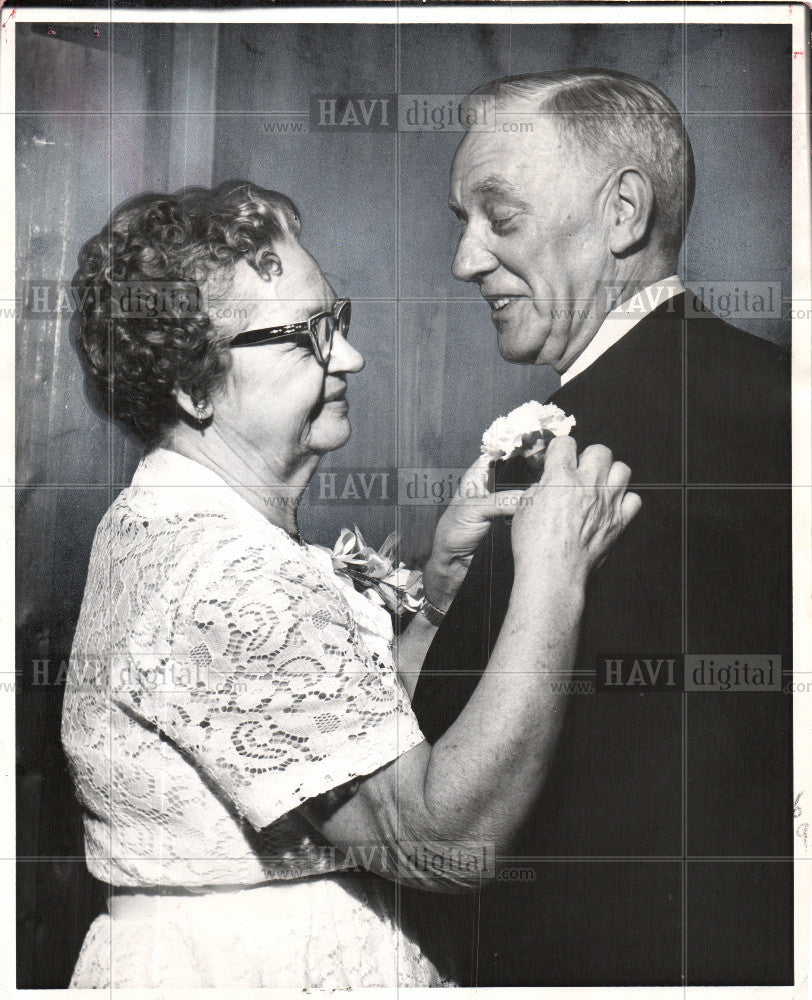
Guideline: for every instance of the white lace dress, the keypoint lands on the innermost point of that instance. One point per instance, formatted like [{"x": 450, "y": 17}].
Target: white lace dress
[{"x": 221, "y": 675}]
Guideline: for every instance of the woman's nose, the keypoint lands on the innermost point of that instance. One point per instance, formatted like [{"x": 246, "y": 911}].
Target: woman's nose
[{"x": 344, "y": 357}]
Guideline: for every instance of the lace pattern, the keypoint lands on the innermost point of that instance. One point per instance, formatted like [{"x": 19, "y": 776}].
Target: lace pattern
[
  {"x": 221, "y": 675},
  {"x": 334, "y": 932}
]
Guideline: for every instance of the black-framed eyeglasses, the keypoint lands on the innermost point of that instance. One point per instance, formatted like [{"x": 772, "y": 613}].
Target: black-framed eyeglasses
[{"x": 319, "y": 329}]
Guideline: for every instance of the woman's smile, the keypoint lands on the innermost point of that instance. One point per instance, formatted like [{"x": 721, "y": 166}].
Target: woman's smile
[{"x": 337, "y": 399}]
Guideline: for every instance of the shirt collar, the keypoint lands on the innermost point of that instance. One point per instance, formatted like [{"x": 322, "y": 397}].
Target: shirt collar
[
  {"x": 622, "y": 319},
  {"x": 165, "y": 467},
  {"x": 167, "y": 480}
]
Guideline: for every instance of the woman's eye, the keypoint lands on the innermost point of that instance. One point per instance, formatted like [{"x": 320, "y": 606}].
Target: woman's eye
[{"x": 298, "y": 343}]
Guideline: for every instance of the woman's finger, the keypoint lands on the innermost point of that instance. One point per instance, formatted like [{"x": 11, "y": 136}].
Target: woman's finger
[
  {"x": 595, "y": 464},
  {"x": 501, "y": 504},
  {"x": 560, "y": 459},
  {"x": 478, "y": 476},
  {"x": 619, "y": 476},
  {"x": 630, "y": 507}
]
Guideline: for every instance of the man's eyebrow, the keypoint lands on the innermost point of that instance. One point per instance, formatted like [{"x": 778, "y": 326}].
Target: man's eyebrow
[
  {"x": 494, "y": 184},
  {"x": 489, "y": 187}
]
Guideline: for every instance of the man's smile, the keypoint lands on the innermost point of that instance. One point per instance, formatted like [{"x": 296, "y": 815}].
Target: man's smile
[
  {"x": 498, "y": 302},
  {"x": 503, "y": 305}
]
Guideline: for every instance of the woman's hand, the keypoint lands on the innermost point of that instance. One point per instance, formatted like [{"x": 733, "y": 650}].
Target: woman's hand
[
  {"x": 564, "y": 525},
  {"x": 462, "y": 527},
  {"x": 481, "y": 778}
]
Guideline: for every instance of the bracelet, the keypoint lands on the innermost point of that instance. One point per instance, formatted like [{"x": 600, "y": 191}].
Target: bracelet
[{"x": 434, "y": 616}]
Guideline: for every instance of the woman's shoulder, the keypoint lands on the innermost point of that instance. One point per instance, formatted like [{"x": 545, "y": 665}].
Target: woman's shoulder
[
  {"x": 193, "y": 539},
  {"x": 180, "y": 526}
]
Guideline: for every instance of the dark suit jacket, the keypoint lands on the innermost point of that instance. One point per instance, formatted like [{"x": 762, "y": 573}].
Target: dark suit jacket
[{"x": 617, "y": 876}]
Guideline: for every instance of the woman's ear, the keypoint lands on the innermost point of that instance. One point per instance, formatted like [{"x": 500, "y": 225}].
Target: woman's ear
[
  {"x": 199, "y": 412},
  {"x": 631, "y": 210}
]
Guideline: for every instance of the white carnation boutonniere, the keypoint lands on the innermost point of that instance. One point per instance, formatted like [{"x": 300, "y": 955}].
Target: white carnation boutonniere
[
  {"x": 526, "y": 431},
  {"x": 375, "y": 574}
]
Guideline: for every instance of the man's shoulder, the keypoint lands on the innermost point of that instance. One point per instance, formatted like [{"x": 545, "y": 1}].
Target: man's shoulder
[
  {"x": 722, "y": 347},
  {"x": 683, "y": 370},
  {"x": 728, "y": 369},
  {"x": 711, "y": 340}
]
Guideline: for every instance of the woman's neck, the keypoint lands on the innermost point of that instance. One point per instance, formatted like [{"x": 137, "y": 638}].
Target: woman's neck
[{"x": 271, "y": 488}]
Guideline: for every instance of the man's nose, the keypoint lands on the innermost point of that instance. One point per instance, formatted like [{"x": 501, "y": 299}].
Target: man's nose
[
  {"x": 344, "y": 357},
  {"x": 472, "y": 259}
]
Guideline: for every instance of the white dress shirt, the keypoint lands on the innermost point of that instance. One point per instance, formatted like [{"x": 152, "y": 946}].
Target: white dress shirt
[{"x": 622, "y": 319}]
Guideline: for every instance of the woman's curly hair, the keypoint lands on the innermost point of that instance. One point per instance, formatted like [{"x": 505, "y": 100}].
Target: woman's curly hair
[{"x": 140, "y": 323}]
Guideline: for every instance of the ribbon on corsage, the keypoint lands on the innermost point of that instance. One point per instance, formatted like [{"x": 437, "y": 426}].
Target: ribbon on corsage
[{"x": 374, "y": 573}]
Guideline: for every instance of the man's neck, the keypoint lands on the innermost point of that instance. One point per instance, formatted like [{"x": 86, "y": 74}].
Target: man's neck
[
  {"x": 643, "y": 275},
  {"x": 618, "y": 284},
  {"x": 633, "y": 306}
]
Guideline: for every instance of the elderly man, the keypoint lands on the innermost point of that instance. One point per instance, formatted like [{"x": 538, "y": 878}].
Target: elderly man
[{"x": 654, "y": 853}]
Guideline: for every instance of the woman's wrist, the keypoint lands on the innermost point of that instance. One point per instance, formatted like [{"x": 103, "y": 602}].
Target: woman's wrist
[
  {"x": 433, "y": 615},
  {"x": 442, "y": 579},
  {"x": 550, "y": 569},
  {"x": 562, "y": 596}
]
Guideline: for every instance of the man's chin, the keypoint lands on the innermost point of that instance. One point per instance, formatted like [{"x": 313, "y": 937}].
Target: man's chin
[{"x": 521, "y": 350}]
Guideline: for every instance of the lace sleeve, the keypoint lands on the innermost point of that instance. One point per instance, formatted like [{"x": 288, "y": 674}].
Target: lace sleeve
[{"x": 282, "y": 700}]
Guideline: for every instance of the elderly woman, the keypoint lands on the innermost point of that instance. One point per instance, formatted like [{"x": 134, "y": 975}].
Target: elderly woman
[{"x": 239, "y": 734}]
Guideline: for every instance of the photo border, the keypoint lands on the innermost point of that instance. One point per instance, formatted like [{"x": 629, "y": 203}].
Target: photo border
[{"x": 795, "y": 14}]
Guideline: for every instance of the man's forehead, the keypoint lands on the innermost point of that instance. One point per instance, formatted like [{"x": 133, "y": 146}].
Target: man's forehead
[{"x": 493, "y": 163}]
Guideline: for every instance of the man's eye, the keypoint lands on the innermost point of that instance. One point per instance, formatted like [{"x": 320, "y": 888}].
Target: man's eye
[{"x": 502, "y": 224}]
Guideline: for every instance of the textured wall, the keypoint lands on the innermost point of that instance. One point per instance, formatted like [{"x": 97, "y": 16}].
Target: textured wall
[
  {"x": 75, "y": 161},
  {"x": 157, "y": 107}
]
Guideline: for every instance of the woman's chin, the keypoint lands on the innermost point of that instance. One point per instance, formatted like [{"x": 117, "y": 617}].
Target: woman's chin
[{"x": 332, "y": 436}]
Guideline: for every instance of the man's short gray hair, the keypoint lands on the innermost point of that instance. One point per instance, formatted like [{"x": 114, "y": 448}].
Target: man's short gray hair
[{"x": 619, "y": 118}]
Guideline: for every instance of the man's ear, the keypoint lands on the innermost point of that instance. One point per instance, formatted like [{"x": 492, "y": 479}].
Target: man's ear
[
  {"x": 631, "y": 210},
  {"x": 198, "y": 413}
]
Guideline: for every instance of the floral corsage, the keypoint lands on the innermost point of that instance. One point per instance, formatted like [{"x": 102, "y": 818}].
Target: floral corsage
[
  {"x": 526, "y": 431},
  {"x": 375, "y": 574}
]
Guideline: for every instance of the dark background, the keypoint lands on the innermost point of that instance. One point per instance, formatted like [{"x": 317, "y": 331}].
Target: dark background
[{"x": 102, "y": 115}]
